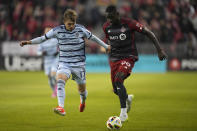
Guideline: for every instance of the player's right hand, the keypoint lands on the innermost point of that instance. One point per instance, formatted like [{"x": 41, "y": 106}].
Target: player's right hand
[
  {"x": 162, "y": 55},
  {"x": 22, "y": 43}
]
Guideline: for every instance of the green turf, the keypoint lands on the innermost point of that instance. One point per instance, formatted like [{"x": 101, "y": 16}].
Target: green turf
[{"x": 163, "y": 102}]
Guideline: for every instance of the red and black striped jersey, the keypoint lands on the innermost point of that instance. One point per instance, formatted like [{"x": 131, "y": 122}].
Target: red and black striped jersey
[{"x": 121, "y": 38}]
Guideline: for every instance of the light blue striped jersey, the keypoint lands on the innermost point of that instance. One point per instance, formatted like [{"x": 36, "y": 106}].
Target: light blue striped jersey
[
  {"x": 71, "y": 44},
  {"x": 49, "y": 46}
]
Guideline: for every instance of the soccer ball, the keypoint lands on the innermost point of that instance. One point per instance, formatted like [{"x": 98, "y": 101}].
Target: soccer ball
[{"x": 114, "y": 122}]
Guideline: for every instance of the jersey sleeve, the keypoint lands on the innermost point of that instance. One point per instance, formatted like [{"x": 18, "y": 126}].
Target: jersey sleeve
[
  {"x": 87, "y": 33},
  {"x": 100, "y": 42},
  {"x": 50, "y": 34},
  {"x": 43, "y": 38},
  {"x": 135, "y": 25}
]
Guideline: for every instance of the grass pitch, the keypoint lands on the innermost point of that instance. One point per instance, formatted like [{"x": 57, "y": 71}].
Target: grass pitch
[{"x": 163, "y": 102}]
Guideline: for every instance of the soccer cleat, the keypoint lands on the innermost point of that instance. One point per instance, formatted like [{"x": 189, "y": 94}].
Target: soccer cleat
[
  {"x": 59, "y": 110},
  {"x": 123, "y": 117},
  {"x": 129, "y": 102},
  {"x": 82, "y": 107}
]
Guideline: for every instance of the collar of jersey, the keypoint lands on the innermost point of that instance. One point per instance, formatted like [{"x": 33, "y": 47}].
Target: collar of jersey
[{"x": 68, "y": 30}]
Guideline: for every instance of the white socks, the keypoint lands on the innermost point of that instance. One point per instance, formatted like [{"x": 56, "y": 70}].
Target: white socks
[
  {"x": 83, "y": 96},
  {"x": 123, "y": 111},
  {"x": 61, "y": 92}
]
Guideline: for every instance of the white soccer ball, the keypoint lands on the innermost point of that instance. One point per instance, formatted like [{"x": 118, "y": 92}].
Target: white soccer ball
[{"x": 114, "y": 122}]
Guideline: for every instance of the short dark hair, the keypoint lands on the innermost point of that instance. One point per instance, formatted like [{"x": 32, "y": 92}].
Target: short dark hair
[{"x": 111, "y": 8}]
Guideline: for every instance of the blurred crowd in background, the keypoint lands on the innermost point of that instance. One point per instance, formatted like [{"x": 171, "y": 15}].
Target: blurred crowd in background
[{"x": 173, "y": 21}]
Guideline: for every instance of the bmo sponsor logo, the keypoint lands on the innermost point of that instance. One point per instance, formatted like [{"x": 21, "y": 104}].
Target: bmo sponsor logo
[
  {"x": 18, "y": 63},
  {"x": 113, "y": 37},
  {"x": 190, "y": 64},
  {"x": 122, "y": 36}
]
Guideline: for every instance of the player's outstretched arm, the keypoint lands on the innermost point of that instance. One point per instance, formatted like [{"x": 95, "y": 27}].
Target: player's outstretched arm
[
  {"x": 100, "y": 42},
  {"x": 161, "y": 53},
  {"x": 37, "y": 40}
]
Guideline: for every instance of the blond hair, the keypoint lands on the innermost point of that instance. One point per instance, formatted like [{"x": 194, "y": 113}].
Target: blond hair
[{"x": 70, "y": 14}]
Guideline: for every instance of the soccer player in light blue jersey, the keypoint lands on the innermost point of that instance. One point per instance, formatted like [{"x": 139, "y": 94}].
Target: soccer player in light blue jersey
[
  {"x": 71, "y": 56},
  {"x": 49, "y": 50}
]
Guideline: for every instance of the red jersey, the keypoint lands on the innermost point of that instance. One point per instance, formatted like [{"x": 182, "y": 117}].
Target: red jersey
[{"x": 121, "y": 38}]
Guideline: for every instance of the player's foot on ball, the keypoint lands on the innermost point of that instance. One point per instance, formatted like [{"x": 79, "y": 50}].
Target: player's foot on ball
[
  {"x": 59, "y": 110},
  {"x": 129, "y": 102},
  {"x": 123, "y": 117},
  {"x": 82, "y": 107}
]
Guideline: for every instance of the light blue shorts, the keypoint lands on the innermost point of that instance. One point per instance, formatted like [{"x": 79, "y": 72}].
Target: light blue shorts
[{"x": 78, "y": 73}]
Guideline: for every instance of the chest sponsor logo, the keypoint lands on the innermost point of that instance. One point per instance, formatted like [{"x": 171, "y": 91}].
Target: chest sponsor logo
[
  {"x": 122, "y": 36},
  {"x": 113, "y": 37}
]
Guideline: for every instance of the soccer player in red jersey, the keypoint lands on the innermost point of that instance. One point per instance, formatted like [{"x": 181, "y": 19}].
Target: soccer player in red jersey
[{"x": 120, "y": 35}]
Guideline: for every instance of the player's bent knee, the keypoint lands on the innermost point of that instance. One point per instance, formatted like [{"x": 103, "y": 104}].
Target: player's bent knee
[
  {"x": 62, "y": 77},
  {"x": 119, "y": 77},
  {"x": 114, "y": 88},
  {"x": 82, "y": 87},
  {"x": 119, "y": 84},
  {"x": 53, "y": 73}
]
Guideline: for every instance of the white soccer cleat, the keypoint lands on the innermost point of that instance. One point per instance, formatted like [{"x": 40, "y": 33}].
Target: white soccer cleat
[
  {"x": 129, "y": 102},
  {"x": 123, "y": 117}
]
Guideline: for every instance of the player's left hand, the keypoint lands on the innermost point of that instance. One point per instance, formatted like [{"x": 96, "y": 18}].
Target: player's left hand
[
  {"x": 162, "y": 55},
  {"x": 108, "y": 50}
]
